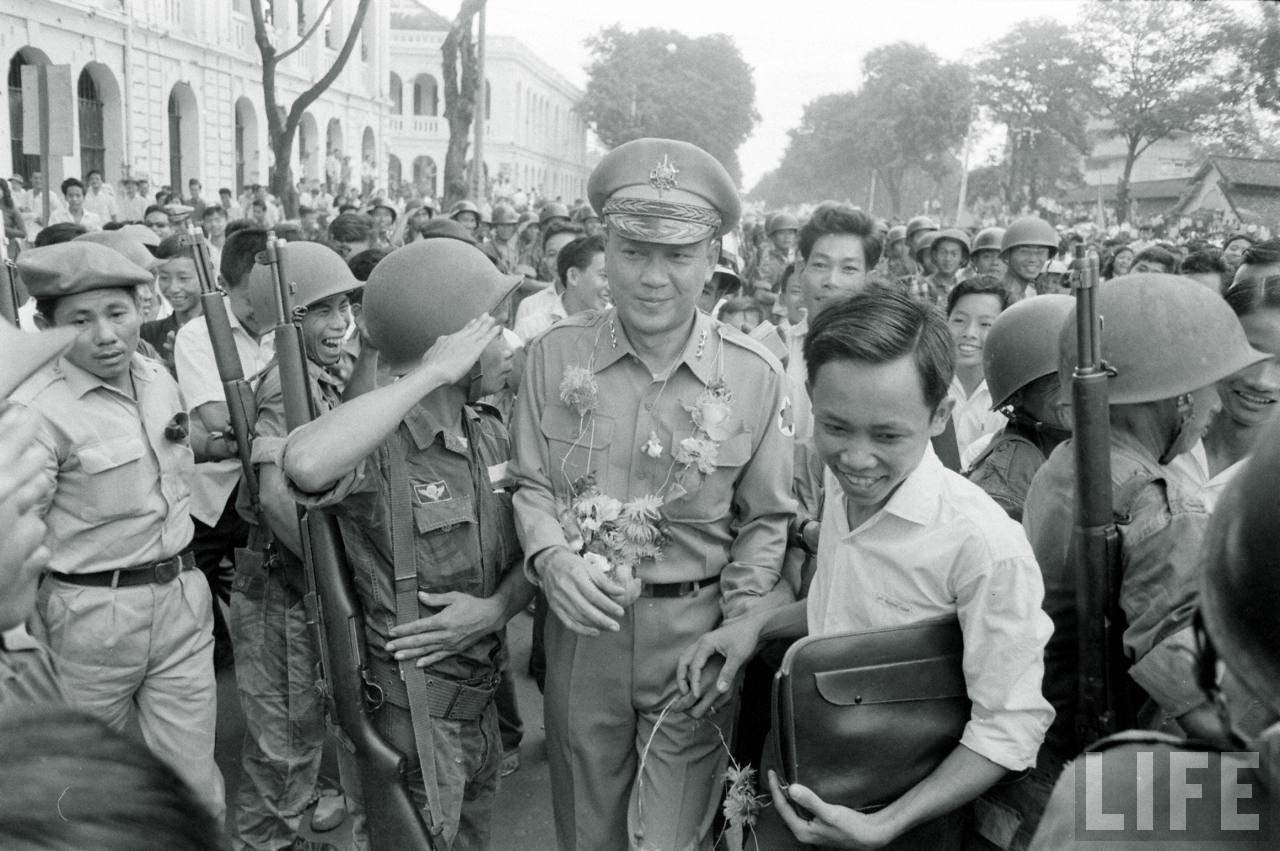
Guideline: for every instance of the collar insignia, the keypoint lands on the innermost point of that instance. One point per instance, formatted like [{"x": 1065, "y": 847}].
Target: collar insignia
[{"x": 663, "y": 175}]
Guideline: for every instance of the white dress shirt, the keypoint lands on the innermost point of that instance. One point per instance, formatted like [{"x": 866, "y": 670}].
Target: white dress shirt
[
  {"x": 941, "y": 546},
  {"x": 539, "y": 312},
  {"x": 972, "y": 415},
  {"x": 797, "y": 376}
]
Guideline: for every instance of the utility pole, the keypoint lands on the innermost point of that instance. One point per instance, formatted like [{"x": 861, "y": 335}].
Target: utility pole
[{"x": 481, "y": 105}]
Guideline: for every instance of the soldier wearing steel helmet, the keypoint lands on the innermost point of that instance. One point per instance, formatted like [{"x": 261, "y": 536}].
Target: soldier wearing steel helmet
[
  {"x": 413, "y": 455},
  {"x": 781, "y": 229},
  {"x": 1020, "y": 362},
  {"x": 588, "y": 219},
  {"x": 1026, "y": 246},
  {"x": 897, "y": 261},
  {"x": 466, "y": 213},
  {"x": 984, "y": 258},
  {"x": 1238, "y": 662},
  {"x": 949, "y": 252},
  {"x": 128, "y": 618},
  {"x": 685, "y": 422},
  {"x": 1167, "y": 344},
  {"x": 503, "y": 238},
  {"x": 919, "y": 285},
  {"x": 276, "y": 652}
]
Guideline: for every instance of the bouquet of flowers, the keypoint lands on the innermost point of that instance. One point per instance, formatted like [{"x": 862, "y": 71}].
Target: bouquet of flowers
[{"x": 613, "y": 537}]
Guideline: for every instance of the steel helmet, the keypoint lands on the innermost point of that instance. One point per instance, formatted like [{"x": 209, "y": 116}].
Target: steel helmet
[
  {"x": 780, "y": 221},
  {"x": 956, "y": 235},
  {"x": 428, "y": 289},
  {"x": 1022, "y": 345},
  {"x": 1240, "y": 582},
  {"x": 926, "y": 242},
  {"x": 1162, "y": 336},
  {"x": 314, "y": 272},
  {"x": 486, "y": 214},
  {"x": 583, "y": 214},
  {"x": 988, "y": 239},
  {"x": 503, "y": 214},
  {"x": 1030, "y": 230},
  {"x": 918, "y": 224},
  {"x": 554, "y": 210},
  {"x": 464, "y": 206},
  {"x": 897, "y": 233}
]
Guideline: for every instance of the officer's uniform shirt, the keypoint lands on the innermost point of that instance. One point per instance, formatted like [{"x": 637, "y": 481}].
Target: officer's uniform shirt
[
  {"x": 465, "y": 538},
  {"x": 539, "y": 312},
  {"x": 732, "y": 522},
  {"x": 1160, "y": 551},
  {"x": 198, "y": 376},
  {"x": 119, "y": 492},
  {"x": 940, "y": 547}
]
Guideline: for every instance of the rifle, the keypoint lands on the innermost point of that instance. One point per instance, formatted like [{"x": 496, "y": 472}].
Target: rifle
[
  {"x": 1103, "y": 706},
  {"x": 12, "y": 297},
  {"x": 334, "y": 615},
  {"x": 239, "y": 395}
]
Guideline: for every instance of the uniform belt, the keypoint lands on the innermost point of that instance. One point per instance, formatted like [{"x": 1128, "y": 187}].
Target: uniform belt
[
  {"x": 454, "y": 701},
  {"x": 676, "y": 589},
  {"x": 154, "y": 572}
]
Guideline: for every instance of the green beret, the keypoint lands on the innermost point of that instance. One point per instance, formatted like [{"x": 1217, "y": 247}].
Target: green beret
[
  {"x": 664, "y": 191},
  {"x": 125, "y": 243},
  {"x": 77, "y": 267},
  {"x": 24, "y": 353}
]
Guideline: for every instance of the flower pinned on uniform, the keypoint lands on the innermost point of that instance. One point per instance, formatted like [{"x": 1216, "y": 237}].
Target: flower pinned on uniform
[
  {"x": 653, "y": 446},
  {"x": 700, "y": 452},
  {"x": 712, "y": 409},
  {"x": 579, "y": 390}
]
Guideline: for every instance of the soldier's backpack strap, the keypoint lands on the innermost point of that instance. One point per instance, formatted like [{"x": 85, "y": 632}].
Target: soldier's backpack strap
[{"x": 405, "y": 570}]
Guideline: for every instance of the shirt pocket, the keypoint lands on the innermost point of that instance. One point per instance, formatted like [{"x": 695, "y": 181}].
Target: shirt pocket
[
  {"x": 110, "y": 484},
  {"x": 710, "y": 495},
  {"x": 448, "y": 545},
  {"x": 576, "y": 446}
]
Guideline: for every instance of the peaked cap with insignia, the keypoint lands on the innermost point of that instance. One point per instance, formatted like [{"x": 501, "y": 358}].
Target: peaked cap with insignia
[{"x": 664, "y": 191}]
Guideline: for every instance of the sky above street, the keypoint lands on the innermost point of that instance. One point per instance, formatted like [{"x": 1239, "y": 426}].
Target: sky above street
[{"x": 800, "y": 49}]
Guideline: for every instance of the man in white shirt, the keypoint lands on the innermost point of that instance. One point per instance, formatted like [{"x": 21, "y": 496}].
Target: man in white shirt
[
  {"x": 75, "y": 211},
  {"x": 99, "y": 199},
  {"x": 905, "y": 540},
  {"x": 132, "y": 206},
  {"x": 581, "y": 285},
  {"x": 219, "y": 530}
]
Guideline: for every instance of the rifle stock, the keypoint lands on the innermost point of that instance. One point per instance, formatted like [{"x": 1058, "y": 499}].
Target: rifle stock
[
  {"x": 1103, "y": 707},
  {"x": 393, "y": 820},
  {"x": 12, "y": 297},
  {"x": 239, "y": 394}
]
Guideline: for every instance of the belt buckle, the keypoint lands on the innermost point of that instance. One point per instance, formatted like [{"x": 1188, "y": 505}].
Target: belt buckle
[{"x": 168, "y": 570}]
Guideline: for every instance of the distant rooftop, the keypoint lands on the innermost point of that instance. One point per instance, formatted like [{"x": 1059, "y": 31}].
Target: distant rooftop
[{"x": 413, "y": 15}]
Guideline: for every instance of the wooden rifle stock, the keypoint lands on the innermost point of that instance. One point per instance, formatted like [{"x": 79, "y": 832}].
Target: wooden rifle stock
[
  {"x": 333, "y": 612},
  {"x": 241, "y": 408},
  {"x": 12, "y": 297},
  {"x": 1102, "y": 676}
]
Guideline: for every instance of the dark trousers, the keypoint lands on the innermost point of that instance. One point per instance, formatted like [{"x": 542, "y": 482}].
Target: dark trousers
[
  {"x": 212, "y": 546},
  {"x": 538, "y": 649}
]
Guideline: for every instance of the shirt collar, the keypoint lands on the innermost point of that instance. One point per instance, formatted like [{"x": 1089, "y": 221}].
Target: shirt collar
[
  {"x": 323, "y": 375},
  {"x": 916, "y": 500},
  {"x": 425, "y": 422},
  {"x": 81, "y": 381},
  {"x": 701, "y": 351}
]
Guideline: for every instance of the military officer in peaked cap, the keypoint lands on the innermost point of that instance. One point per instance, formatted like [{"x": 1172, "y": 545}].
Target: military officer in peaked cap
[
  {"x": 652, "y": 447},
  {"x": 128, "y": 619}
]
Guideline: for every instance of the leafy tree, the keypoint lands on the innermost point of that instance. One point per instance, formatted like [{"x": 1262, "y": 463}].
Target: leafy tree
[
  {"x": 461, "y": 82},
  {"x": 663, "y": 83},
  {"x": 1037, "y": 80},
  {"x": 282, "y": 124},
  {"x": 1164, "y": 69}
]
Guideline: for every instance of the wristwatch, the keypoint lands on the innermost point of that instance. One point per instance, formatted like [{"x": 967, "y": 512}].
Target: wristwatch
[{"x": 797, "y": 538}]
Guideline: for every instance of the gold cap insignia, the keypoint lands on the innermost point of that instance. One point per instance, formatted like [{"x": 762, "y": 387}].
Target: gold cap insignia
[{"x": 663, "y": 176}]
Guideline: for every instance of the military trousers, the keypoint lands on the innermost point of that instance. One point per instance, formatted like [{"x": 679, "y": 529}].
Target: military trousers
[
  {"x": 276, "y": 674},
  {"x": 604, "y": 696},
  {"x": 144, "y": 651}
]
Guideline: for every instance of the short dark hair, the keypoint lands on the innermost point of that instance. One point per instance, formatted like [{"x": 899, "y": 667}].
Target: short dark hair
[
  {"x": 1261, "y": 253},
  {"x": 981, "y": 285},
  {"x": 240, "y": 252},
  {"x": 1156, "y": 254},
  {"x": 878, "y": 325},
  {"x": 91, "y": 173},
  {"x": 1207, "y": 261},
  {"x": 831, "y": 217},
  {"x": 175, "y": 246},
  {"x": 579, "y": 254},
  {"x": 71, "y": 182},
  {"x": 351, "y": 227},
  {"x": 213, "y": 210},
  {"x": 59, "y": 233},
  {"x": 557, "y": 228},
  {"x": 258, "y": 202},
  {"x": 1250, "y": 295},
  {"x": 363, "y": 262},
  {"x": 154, "y": 208},
  {"x": 69, "y": 781},
  {"x": 224, "y": 191}
]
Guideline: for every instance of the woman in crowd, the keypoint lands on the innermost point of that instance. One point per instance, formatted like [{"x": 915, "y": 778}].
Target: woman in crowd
[
  {"x": 1233, "y": 251},
  {"x": 972, "y": 308},
  {"x": 1119, "y": 263}
]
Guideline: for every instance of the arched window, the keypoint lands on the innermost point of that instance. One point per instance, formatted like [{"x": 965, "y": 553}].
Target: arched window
[
  {"x": 396, "y": 90},
  {"x": 93, "y": 137},
  {"x": 425, "y": 95}
]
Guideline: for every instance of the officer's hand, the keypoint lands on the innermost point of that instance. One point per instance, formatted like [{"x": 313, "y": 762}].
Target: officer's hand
[
  {"x": 461, "y": 622},
  {"x": 831, "y": 826},
  {"x": 22, "y": 549},
  {"x": 716, "y": 657},
  {"x": 453, "y": 355},
  {"x": 581, "y": 597}
]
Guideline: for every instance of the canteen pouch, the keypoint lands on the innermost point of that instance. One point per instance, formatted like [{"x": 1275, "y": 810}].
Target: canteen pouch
[{"x": 861, "y": 717}]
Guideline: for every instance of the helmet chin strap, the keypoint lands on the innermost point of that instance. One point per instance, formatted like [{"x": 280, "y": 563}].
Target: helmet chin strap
[{"x": 1186, "y": 410}]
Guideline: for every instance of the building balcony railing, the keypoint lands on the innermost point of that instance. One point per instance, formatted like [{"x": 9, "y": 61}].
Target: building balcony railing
[
  {"x": 422, "y": 126},
  {"x": 418, "y": 38}
]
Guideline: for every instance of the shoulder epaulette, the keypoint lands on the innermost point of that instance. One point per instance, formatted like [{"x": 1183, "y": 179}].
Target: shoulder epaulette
[
  {"x": 730, "y": 334},
  {"x": 36, "y": 383}
]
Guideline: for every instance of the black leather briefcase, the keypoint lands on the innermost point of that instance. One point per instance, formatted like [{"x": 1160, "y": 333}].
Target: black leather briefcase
[{"x": 861, "y": 717}]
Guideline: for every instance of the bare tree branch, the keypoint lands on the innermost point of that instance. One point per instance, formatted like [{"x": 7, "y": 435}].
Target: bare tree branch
[
  {"x": 318, "y": 88},
  {"x": 310, "y": 32}
]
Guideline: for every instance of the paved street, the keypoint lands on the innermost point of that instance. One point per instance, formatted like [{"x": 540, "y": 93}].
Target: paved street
[{"x": 523, "y": 814}]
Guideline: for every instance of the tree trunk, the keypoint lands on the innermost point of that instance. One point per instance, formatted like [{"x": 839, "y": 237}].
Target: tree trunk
[
  {"x": 461, "y": 78},
  {"x": 1122, "y": 185},
  {"x": 893, "y": 186},
  {"x": 282, "y": 178}
]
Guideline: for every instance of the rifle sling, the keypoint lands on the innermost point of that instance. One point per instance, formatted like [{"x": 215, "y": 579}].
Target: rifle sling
[{"x": 404, "y": 563}]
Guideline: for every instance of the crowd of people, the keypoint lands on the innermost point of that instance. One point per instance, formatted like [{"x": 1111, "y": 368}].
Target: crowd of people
[{"x": 676, "y": 433}]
